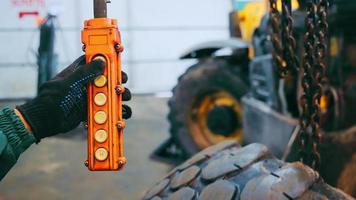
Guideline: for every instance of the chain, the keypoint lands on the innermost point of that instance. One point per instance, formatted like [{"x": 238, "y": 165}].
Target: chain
[
  {"x": 319, "y": 76},
  {"x": 283, "y": 40},
  {"x": 315, "y": 49},
  {"x": 288, "y": 39},
  {"x": 306, "y": 100},
  {"x": 275, "y": 21}
]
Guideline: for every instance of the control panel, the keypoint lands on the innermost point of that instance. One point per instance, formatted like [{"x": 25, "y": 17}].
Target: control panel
[{"x": 101, "y": 40}]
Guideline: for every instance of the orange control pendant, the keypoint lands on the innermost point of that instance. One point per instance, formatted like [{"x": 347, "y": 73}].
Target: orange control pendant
[{"x": 101, "y": 40}]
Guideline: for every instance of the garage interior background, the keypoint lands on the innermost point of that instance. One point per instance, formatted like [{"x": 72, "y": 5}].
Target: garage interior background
[{"x": 155, "y": 33}]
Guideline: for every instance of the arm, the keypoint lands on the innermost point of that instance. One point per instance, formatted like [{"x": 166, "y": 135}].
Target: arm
[
  {"x": 15, "y": 138},
  {"x": 60, "y": 106}
]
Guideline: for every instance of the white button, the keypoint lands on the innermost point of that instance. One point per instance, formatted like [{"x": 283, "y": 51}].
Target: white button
[
  {"x": 101, "y": 136},
  {"x": 100, "y": 99},
  {"x": 101, "y": 154},
  {"x": 100, "y": 117}
]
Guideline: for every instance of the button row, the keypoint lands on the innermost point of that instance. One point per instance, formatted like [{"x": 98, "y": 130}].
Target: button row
[{"x": 100, "y": 117}]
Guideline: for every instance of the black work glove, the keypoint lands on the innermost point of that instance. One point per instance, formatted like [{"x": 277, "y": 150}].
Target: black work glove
[{"x": 62, "y": 102}]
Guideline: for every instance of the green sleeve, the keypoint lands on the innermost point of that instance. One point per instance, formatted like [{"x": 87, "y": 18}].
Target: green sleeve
[{"x": 14, "y": 140}]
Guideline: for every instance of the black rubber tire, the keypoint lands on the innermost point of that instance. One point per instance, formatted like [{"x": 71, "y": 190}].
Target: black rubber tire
[
  {"x": 226, "y": 171},
  {"x": 206, "y": 75}
]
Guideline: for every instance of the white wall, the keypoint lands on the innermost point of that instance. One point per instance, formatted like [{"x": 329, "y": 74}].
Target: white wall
[{"x": 154, "y": 32}]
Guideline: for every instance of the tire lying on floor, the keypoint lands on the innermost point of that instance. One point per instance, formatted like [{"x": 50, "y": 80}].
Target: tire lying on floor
[
  {"x": 226, "y": 171},
  {"x": 205, "y": 107}
]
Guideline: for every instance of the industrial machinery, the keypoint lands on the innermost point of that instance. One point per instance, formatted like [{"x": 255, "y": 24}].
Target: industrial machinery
[
  {"x": 239, "y": 95},
  {"x": 101, "y": 40},
  {"x": 206, "y": 107}
]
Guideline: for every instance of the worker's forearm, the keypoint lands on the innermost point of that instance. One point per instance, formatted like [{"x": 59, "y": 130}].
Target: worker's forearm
[
  {"x": 15, "y": 138},
  {"x": 19, "y": 137}
]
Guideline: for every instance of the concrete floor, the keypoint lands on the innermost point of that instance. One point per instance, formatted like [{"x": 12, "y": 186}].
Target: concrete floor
[{"x": 54, "y": 168}]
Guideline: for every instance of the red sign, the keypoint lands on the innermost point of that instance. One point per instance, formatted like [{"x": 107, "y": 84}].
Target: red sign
[{"x": 28, "y": 13}]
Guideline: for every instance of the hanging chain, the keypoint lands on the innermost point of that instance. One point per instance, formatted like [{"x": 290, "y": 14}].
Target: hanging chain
[
  {"x": 275, "y": 22},
  {"x": 315, "y": 50},
  {"x": 307, "y": 80},
  {"x": 319, "y": 76},
  {"x": 283, "y": 40},
  {"x": 314, "y": 64},
  {"x": 288, "y": 39}
]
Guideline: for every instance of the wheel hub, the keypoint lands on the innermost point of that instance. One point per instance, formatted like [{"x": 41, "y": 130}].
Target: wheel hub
[
  {"x": 216, "y": 117},
  {"x": 223, "y": 120}
]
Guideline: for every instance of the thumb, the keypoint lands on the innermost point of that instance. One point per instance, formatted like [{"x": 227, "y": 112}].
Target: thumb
[{"x": 89, "y": 72}]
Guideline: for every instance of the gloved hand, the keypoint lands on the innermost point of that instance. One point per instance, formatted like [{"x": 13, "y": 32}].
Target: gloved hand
[{"x": 62, "y": 102}]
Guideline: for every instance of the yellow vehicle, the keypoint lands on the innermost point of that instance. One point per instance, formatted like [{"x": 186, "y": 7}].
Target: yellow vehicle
[
  {"x": 247, "y": 16},
  {"x": 206, "y": 108},
  {"x": 250, "y": 13},
  {"x": 234, "y": 94}
]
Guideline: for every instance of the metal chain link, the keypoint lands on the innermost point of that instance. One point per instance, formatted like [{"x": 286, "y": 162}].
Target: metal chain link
[
  {"x": 315, "y": 50},
  {"x": 307, "y": 80},
  {"x": 288, "y": 38},
  {"x": 283, "y": 40},
  {"x": 275, "y": 22},
  {"x": 319, "y": 76}
]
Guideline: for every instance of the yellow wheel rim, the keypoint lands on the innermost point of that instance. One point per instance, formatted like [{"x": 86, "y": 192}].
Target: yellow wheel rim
[{"x": 199, "y": 128}]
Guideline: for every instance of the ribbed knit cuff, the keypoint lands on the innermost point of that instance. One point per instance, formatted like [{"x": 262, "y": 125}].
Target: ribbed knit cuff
[
  {"x": 36, "y": 116},
  {"x": 19, "y": 138}
]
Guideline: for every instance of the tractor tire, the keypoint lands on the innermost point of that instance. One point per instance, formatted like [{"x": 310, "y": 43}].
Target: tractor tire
[
  {"x": 228, "y": 172},
  {"x": 205, "y": 107}
]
